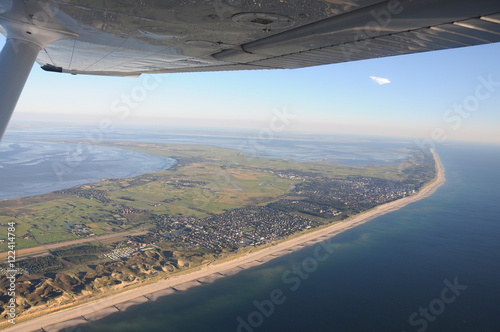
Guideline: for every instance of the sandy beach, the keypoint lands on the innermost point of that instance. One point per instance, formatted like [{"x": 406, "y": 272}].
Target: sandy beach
[{"x": 97, "y": 309}]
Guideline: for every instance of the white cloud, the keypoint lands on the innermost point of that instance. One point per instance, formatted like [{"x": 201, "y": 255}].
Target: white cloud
[{"x": 380, "y": 80}]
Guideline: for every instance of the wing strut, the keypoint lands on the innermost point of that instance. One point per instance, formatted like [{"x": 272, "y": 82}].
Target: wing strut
[
  {"x": 16, "y": 60},
  {"x": 29, "y": 26}
]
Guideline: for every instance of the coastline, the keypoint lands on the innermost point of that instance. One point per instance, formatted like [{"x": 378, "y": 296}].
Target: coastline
[
  {"x": 65, "y": 175},
  {"x": 99, "y": 308}
]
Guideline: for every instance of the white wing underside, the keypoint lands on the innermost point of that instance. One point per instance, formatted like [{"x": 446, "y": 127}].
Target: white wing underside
[{"x": 133, "y": 37}]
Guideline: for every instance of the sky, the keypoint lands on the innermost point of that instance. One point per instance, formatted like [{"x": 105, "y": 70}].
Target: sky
[{"x": 441, "y": 95}]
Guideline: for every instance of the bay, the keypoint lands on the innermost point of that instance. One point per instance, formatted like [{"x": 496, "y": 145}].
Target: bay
[
  {"x": 341, "y": 149},
  {"x": 35, "y": 167},
  {"x": 32, "y": 163}
]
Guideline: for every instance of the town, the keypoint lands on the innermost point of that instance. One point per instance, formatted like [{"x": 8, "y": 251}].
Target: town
[
  {"x": 254, "y": 225},
  {"x": 213, "y": 204}
]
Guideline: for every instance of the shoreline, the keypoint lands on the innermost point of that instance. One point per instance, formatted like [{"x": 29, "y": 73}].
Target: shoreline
[{"x": 100, "y": 308}]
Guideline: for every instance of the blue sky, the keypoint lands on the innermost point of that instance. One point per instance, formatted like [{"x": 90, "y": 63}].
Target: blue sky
[{"x": 424, "y": 95}]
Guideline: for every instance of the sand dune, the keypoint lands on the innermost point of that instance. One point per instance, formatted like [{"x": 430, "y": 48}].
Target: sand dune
[{"x": 99, "y": 308}]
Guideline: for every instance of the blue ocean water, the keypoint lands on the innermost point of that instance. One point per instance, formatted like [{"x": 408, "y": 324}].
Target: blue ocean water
[{"x": 431, "y": 266}]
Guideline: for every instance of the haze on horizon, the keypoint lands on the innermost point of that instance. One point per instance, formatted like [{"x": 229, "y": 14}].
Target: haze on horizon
[{"x": 441, "y": 95}]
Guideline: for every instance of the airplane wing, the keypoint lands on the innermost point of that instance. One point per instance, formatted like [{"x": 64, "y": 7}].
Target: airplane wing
[{"x": 132, "y": 37}]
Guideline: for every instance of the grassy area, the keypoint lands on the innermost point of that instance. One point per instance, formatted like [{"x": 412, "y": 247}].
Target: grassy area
[{"x": 207, "y": 180}]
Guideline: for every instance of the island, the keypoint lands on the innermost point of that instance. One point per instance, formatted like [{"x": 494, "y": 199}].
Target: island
[{"x": 120, "y": 242}]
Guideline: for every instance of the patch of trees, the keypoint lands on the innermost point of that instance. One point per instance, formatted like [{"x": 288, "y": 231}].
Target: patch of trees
[
  {"x": 127, "y": 198},
  {"x": 81, "y": 258},
  {"x": 41, "y": 264},
  {"x": 80, "y": 250}
]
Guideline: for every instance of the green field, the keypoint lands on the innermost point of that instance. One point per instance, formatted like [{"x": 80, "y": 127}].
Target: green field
[{"x": 207, "y": 180}]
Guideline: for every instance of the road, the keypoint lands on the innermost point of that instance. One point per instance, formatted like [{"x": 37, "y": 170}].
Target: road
[{"x": 43, "y": 249}]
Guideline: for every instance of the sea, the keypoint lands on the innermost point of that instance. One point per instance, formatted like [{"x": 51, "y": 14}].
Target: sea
[{"x": 433, "y": 265}]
